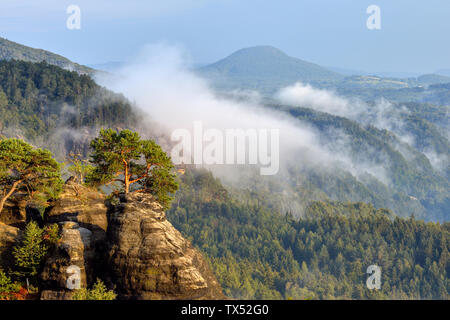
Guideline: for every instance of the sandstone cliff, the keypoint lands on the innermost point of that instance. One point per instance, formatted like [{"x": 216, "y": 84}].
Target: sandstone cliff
[
  {"x": 150, "y": 259},
  {"x": 82, "y": 205},
  {"x": 8, "y": 237},
  {"x": 129, "y": 245},
  {"x": 73, "y": 257},
  {"x": 17, "y": 211},
  {"x": 82, "y": 215}
]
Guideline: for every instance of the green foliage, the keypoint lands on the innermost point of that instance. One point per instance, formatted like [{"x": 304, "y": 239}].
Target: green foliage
[
  {"x": 136, "y": 164},
  {"x": 7, "y": 287},
  {"x": 25, "y": 169},
  {"x": 78, "y": 167},
  {"x": 51, "y": 234},
  {"x": 160, "y": 180},
  {"x": 30, "y": 251},
  {"x": 12, "y": 50},
  {"x": 46, "y": 104},
  {"x": 259, "y": 254},
  {"x": 113, "y": 198},
  {"x": 115, "y": 154},
  {"x": 98, "y": 292},
  {"x": 413, "y": 186}
]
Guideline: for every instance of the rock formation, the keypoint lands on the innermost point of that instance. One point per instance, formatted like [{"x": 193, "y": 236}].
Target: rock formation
[
  {"x": 83, "y": 205},
  {"x": 129, "y": 245},
  {"x": 82, "y": 215},
  {"x": 8, "y": 237},
  {"x": 14, "y": 211},
  {"x": 70, "y": 265},
  {"x": 150, "y": 259}
]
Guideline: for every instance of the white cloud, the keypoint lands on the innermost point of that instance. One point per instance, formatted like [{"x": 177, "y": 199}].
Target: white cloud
[
  {"x": 321, "y": 100},
  {"x": 160, "y": 82}
]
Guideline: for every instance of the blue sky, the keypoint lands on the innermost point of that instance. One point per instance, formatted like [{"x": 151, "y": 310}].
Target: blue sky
[{"x": 413, "y": 35}]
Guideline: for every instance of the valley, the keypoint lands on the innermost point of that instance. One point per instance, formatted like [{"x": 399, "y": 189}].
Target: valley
[{"x": 363, "y": 176}]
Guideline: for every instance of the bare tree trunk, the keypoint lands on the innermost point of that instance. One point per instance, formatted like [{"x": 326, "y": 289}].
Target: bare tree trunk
[{"x": 127, "y": 179}]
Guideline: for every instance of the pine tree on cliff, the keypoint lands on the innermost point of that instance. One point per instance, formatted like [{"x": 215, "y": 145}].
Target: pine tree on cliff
[
  {"x": 31, "y": 172},
  {"x": 137, "y": 164}
]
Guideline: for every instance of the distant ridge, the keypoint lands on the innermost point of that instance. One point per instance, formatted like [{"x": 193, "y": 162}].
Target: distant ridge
[
  {"x": 265, "y": 67},
  {"x": 11, "y": 50},
  {"x": 109, "y": 66},
  {"x": 444, "y": 72}
]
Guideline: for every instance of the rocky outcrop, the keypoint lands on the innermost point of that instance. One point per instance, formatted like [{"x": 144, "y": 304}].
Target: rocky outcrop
[
  {"x": 70, "y": 265},
  {"x": 8, "y": 237},
  {"x": 149, "y": 259},
  {"x": 131, "y": 246},
  {"x": 83, "y": 205},
  {"x": 14, "y": 211},
  {"x": 82, "y": 214}
]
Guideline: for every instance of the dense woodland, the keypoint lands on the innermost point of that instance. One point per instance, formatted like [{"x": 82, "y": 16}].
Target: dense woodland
[
  {"x": 258, "y": 254},
  {"x": 411, "y": 175},
  {"x": 256, "y": 247},
  {"x": 39, "y": 101},
  {"x": 62, "y": 110},
  {"x": 10, "y": 50}
]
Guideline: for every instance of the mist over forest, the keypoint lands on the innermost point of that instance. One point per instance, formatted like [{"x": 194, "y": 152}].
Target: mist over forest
[{"x": 361, "y": 174}]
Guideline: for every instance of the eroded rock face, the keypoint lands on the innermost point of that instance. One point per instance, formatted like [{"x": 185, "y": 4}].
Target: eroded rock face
[
  {"x": 70, "y": 263},
  {"x": 131, "y": 246},
  {"x": 14, "y": 211},
  {"x": 82, "y": 205},
  {"x": 8, "y": 237},
  {"x": 149, "y": 259}
]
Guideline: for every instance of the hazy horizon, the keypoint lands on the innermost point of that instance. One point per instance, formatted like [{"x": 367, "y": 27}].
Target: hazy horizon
[{"x": 327, "y": 32}]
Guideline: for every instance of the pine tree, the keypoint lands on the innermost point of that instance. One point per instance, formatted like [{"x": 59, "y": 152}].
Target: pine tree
[
  {"x": 124, "y": 158},
  {"x": 30, "y": 251},
  {"x": 23, "y": 168}
]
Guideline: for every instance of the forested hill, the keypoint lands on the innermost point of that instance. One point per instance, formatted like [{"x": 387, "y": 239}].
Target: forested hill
[
  {"x": 256, "y": 250},
  {"x": 414, "y": 186},
  {"x": 44, "y": 103},
  {"x": 259, "y": 254},
  {"x": 264, "y": 68},
  {"x": 268, "y": 69},
  {"x": 10, "y": 50},
  {"x": 62, "y": 110}
]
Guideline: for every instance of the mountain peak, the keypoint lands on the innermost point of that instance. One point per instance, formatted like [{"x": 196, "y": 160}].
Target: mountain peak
[
  {"x": 265, "y": 68},
  {"x": 261, "y": 49}
]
